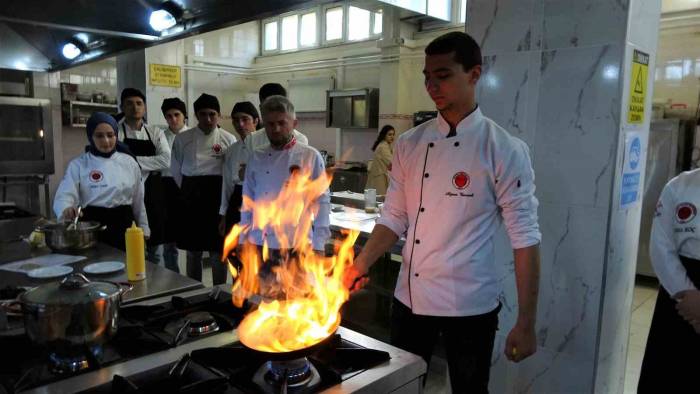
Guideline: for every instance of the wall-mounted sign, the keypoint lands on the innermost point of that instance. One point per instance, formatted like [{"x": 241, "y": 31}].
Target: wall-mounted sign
[
  {"x": 631, "y": 170},
  {"x": 638, "y": 87},
  {"x": 164, "y": 75}
]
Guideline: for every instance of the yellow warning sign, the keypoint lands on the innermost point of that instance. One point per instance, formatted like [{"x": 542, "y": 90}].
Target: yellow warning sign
[
  {"x": 638, "y": 87},
  {"x": 164, "y": 75}
]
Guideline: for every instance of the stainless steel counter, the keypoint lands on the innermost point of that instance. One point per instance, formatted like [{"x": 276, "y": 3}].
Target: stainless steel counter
[
  {"x": 339, "y": 221},
  {"x": 159, "y": 280},
  {"x": 403, "y": 373}
]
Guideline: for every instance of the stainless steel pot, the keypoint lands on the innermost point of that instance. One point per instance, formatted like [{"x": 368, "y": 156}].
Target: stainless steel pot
[
  {"x": 60, "y": 238},
  {"x": 72, "y": 312}
]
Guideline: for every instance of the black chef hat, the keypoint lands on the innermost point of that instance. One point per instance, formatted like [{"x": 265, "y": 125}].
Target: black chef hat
[
  {"x": 173, "y": 103},
  {"x": 247, "y": 108},
  {"x": 207, "y": 101},
  {"x": 132, "y": 92}
]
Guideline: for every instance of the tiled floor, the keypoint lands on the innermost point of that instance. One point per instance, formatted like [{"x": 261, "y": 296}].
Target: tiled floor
[{"x": 642, "y": 311}]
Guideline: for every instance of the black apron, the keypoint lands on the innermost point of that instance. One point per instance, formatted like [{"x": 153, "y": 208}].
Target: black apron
[
  {"x": 201, "y": 196},
  {"x": 671, "y": 356},
  {"x": 154, "y": 195},
  {"x": 117, "y": 220},
  {"x": 173, "y": 209},
  {"x": 233, "y": 213}
]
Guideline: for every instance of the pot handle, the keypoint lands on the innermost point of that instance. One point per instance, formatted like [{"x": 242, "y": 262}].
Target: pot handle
[
  {"x": 124, "y": 287},
  {"x": 74, "y": 281}
]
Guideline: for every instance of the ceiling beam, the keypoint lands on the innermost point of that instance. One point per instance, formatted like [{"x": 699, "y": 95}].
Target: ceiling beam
[{"x": 112, "y": 33}]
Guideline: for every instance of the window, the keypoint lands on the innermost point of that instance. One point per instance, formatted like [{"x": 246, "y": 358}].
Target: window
[
  {"x": 322, "y": 25},
  {"x": 439, "y": 9},
  {"x": 463, "y": 11},
  {"x": 307, "y": 37},
  {"x": 334, "y": 24},
  {"x": 270, "y": 36},
  {"x": 198, "y": 47},
  {"x": 674, "y": 70},
  {"x": 358, "y": 24},
  {"x": 377, "y": 27},
  {"x": 290, "y": 29}
]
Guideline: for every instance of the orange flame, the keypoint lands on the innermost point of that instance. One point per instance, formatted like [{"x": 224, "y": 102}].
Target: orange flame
[{"x": 301, "y": 303}]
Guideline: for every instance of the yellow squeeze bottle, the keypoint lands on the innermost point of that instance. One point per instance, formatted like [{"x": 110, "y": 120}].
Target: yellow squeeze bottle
[{"x": 135, "y": 254}]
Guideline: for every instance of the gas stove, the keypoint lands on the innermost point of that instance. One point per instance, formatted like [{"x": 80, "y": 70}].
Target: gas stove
[{"x": 188, "y": 344}]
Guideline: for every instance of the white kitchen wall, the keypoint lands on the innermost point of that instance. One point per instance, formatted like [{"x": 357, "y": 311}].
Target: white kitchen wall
[{"x": 100, "y": 76}]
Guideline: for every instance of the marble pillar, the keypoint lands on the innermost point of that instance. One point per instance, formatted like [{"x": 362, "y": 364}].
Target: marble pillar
[{"x": 556, "y": 74}]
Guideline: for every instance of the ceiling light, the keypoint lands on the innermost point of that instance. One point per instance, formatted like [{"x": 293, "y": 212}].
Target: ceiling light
[
  {"x": 166, "y": 16},
  {"x": 71, "y": 51},
  {"x": 161, "y": 20}
]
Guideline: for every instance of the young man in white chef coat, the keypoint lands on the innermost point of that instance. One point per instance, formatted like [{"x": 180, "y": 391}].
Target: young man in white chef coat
[
  {"x": 259, "y": 138},
  {"x": 175, "y": 114},
  {"x": 196, "y": 165},
  {"x": 245, "y": 119},
  {"x": 151, "y": 148},
  {"x": 454, "y": 179},
  {"x": 674, "y": 336},
  {"x": 268, "y": 170}
]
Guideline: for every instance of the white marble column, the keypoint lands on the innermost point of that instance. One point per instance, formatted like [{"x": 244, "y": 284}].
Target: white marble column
[{"x": 556, "y": 74}]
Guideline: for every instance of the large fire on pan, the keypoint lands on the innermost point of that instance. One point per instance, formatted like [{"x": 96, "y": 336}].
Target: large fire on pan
[{"x": 303, "y": 293}]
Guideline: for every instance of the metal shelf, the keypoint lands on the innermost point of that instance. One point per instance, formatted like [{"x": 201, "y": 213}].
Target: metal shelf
[{"x": 91, "y": 104}]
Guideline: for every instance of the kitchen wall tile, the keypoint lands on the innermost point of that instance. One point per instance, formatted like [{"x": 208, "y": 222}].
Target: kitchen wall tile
[
  {"x": 581, "y": 23},
  {"x": 505, "y": 26},
  {"x": 577, "y": 124},
  {"x": 508, "y": 92}
]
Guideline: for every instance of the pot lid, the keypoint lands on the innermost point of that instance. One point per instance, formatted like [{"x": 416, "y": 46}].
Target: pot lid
[{"x": 74, "y": 289}]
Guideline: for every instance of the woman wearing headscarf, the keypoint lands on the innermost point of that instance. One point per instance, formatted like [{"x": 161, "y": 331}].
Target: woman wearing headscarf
[
  {"x": 378, "y": 177},
  {"x": 106, "y": 182}
]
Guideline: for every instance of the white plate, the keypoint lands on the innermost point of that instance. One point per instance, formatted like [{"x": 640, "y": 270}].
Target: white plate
[
  {"x": 50, "y": 272},
  {"x": 104, "y": 267}
]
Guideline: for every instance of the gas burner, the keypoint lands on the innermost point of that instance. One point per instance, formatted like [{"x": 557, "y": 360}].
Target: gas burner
[
  {"x": 75, "y": 361},
  {"x": 201, "y": 323},
  {"x": 294, "y": 372},
  {"x": 61, "y": 365}
]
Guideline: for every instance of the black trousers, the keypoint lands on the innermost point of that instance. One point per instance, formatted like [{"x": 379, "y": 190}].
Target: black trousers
[
  {"x": 468, "y": 343},
  {"x": 670, "y": 360}
]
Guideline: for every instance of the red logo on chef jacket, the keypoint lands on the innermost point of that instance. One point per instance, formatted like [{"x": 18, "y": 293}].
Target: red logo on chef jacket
[
  {"x": 685, "y": 212},
  {"x": 216, "y": 148},
  {"x": 95, "y": 176},
  {"x": 461, "y": 180}
]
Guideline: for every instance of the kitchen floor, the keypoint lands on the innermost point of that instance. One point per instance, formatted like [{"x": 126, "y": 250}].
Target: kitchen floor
[{"x": 643, "y": 304}]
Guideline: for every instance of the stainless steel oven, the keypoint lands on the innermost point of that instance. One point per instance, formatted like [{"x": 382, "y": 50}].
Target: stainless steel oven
[{"x": 26, "y": 136}]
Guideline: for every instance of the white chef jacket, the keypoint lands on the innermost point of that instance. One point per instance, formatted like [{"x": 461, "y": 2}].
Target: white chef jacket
[
  {"x": 105, "y": 182},
  {"x": 197, "y": 154},
  {"x": 675, "y": 232},
  {"x": 170, "y": 137},
  {"x": 158, "y": 162},
  {"x": 266, "y": 173},
  {"x": 258, "y": 139},
  {"x": 237, "y": 155},
  {"x": 449, "y": 196}
]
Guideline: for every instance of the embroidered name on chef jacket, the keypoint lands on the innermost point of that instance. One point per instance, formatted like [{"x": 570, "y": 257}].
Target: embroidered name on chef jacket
[
  {"x": 685, "y": 213},
  {"x": 460, "y": 182}
]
